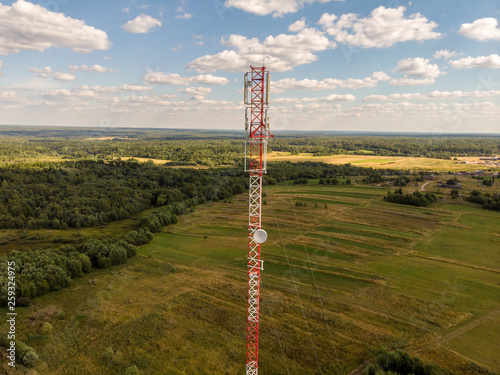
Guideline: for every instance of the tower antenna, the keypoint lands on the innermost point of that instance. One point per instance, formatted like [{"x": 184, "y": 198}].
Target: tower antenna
[{"x": 257, "y": 87}]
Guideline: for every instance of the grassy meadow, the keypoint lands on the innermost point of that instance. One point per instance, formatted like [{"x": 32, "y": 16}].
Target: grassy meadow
[{"x": 344, "y": 275}]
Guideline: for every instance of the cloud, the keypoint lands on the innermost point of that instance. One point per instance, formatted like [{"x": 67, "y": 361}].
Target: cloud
[
  {"x": 329, "y": 98},
  {"x": 197, "y": 40},
  {"x": 48, "y": 73},
  {"x": 481, "y": 29},
  {"x": 444, "y": 54},
  {"x": 184, "y": 16},
  {"x": 282, "y": 52},
  {"x": 95, "y": 68},
  {"x": 328, "y": 83},
  {"x": 1, "y": 64},
  {"x": 277, "y": 7},
  {"x": 99, "y": 93},
  {"x": 134, "y": 88},
  {"x": 297, "y": 25},
  {"x": 126, "y": 10},
  {"x": 196, "y": 90},
  {"x": 411, "y": 81},
  {"x": 435, "y": 95},
  {"x": 418, "y": 67},
  {"x": 196, "y": 93},
  {"x": 28, "y": 27},
  {"x": 176, "y": 79},
  {"x": 492, "y": 61},
  {"x": 64, "y": 77},
  {"x": 45, "y": 70},
  {"x": 383, "y": 28},
  {"x": 141, "y": 24}
]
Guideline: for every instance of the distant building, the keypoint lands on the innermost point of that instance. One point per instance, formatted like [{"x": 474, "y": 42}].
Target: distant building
[
  {"x": 478, "y": 172},
  {"x": 494, "y": 158},
  {"x": 430, "y": 177}
]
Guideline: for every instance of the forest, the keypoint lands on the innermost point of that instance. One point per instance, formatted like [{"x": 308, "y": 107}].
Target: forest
[
  {"x": 85, "y": 193},
  {"x": 222, "y": 148},
  {"x": 76, "y": 194}
]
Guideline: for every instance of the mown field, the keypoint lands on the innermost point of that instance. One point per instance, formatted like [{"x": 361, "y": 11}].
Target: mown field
[
  {"x": 393, "y": 162},
  {"x": 344, "y": 275}
]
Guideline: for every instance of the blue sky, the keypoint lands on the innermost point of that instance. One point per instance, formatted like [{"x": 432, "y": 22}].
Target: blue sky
[{"x": 336, "y": 65}]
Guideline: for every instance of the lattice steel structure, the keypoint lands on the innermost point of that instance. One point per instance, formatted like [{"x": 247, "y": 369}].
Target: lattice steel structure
[{"x": 257, "y": 87}]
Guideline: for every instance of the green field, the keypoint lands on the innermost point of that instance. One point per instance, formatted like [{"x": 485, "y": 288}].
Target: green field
[{"x": 338, "y": 284}]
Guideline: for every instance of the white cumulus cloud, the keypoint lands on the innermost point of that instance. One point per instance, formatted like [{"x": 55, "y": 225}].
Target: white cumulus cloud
[
  {"x": 328, "y": 98},
  {"x": 435, "y": 95},
  {"x": 178, "y": 80},
  {"x": 29, "y": 27},
  {"x": 411, "y": 81},
  {"x": 383, "y": 28},
  {"x": 95, "y": 68},
  {"x": 444, "y": 54},
  {"x": 277, "y": 7},
  {"x": 328, "y": 83},
  {"x": 196, "y": 93},
  {"x": 297, "y": 25},
  {"x": 481, "y": 29},
  {"x": 127, "y": 87},
  {"x": 418, "y": 67},
  {"x": 64, "y": 77},
  {"x": 281, "y": 53},
  {"x": 48, "y": 73},
  {"x": 492, "y": 61},
  {"x": 141, "y": 24}
]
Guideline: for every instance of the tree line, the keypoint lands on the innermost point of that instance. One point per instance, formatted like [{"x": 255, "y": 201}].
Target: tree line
[
  {"x": 487, "y": 200},
  {"x": 41, "y": 271},
  {"x": 414, "y": 199},
  {"x": 76, "y": 194},
  {"x": 228, "y": 149}
]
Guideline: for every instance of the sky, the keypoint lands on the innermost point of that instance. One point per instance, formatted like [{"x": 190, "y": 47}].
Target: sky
[{"x": 403, "y": 66}]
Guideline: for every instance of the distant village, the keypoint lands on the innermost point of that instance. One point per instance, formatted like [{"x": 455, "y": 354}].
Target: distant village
[
  {"x": 493, "y": 161},
  {"x": 479, "y": 174}
]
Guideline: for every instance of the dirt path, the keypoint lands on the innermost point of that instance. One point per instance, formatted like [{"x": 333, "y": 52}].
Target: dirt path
[
  {"x": 422, "y": 188},
  {"x": 458, "y": 332},
  {"x": 438, "y": 341}
]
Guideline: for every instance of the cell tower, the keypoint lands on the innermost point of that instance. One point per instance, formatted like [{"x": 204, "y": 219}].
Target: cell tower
[{"x": 257, "y": 87}]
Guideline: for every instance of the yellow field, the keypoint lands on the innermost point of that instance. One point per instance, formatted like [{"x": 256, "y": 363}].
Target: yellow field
[
  {"x": 392, "y": 162},
  {"x": 143, "y": 160}
]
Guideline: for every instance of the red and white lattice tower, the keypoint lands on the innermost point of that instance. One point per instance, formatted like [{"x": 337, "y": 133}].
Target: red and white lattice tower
[{"x": 257, "y": 87}]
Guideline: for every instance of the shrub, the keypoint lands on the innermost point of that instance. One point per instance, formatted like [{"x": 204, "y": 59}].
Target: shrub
[
  {"x": 103, "y": 262},
  {"x": 46, "y": 328},
  {"x": 108, "y": 353},
  {"x": 132, "y": 370},
  {"x": 26, "y": 354}
]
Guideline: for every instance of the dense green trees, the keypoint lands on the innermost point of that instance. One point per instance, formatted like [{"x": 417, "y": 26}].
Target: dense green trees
[
  {"x": 436, "y": 147},
  {"x": 281, "y": 171},
  {"x": 401, "y": 363},
  {"x": 415, "y": 199},
  {"x": 87, "y": 193},
  {"x": 41, "y": 271},
  {"x": 222, "y": 148},
  {"x": 488, "y": 201}
]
